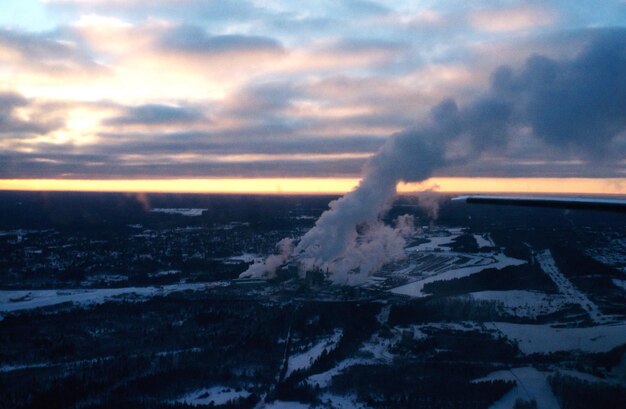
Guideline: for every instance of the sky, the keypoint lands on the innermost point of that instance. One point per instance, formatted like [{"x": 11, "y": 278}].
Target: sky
[{"x": 282, "y": 96}]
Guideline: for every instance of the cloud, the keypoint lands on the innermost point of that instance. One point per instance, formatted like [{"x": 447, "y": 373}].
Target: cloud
[
  {"x": 557, "y": 99},
  {"x": 46, "y": 54},
  {"x": 203, "y": 143},
  {"x": 192, "y": 39},
  {"x": 185, "y": 9},
  {"x": 574, "y": 104},
  {"x": 154, "y": 114},
  {"x": 13, "y": 125},
  {"x": 171, "y": 78},
  {"x": 75, "y": 164},
  {"x": 508, "y": 19}
]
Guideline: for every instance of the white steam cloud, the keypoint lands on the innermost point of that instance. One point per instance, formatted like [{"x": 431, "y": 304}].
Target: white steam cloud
[
  {"x": 576, "y": 106},
  {"x": 267, "y": 268}
]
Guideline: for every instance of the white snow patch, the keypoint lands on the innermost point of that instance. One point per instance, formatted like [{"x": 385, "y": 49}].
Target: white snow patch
[
  {"x": 546, "y": 338},
  {"x": 104, "y": 278},
  {"x": 435, "y": 242},
  {"x": 383, "y": 315},
  {"x": 246, "y": 258},
  {"x": 15, "y": 300},
  {"x": 191, "y": 212},
  {"x": 378, "y": 348},
  {"x": 374, "y": 350},
  {"x": 531, "y": 385},
  {"x": 324, "y": 379},
  {"x": 620, "y": 283},
  {"x": 285, "y": 405},
  {"x": 11, "y": 368},
  {"x": 565, "y": 286},
  {"x": 164, "y": 273},
  {"x": 330, "y": 400},
  {"x": 585, "y": 376},
  {"x": 306, "y": 359},
  {"x": 522, "y": 303},
  {"x": 483, "y": 240},
  {"x": 415, "y": 288},
  {"x": 218, "y": 395},
  {"x": 178, "y": 352}
]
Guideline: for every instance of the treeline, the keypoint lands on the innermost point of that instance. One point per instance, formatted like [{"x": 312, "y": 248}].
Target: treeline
[
  {"x": 522, "y": 277},
  {"x": 420, "y": 385},
  {"x": 574, "y": 393}
]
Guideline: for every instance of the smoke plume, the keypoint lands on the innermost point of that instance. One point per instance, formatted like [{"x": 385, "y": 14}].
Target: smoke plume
[
  {"x": 575, "y": 106},
  {"x": 267, "y": 268}
]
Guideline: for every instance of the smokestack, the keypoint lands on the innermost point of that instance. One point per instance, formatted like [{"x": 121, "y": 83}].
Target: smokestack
[{"x": 575, "y": 106}]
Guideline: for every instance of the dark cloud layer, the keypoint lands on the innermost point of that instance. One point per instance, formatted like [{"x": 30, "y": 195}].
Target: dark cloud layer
[
  {"x": 217, "y": 144},
  {"x": 194, "y": 39},
  {"x": 154, "y": 114},
  {"x": 13, "y": 126},
  {"x": 47, "y": 53},
  {"x": 574, "y": 105},
  {"x": 99, "y": 166}
]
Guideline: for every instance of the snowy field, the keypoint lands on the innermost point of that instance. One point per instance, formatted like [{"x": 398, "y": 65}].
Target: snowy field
[
  {"x": 620, "y": 283},
  {"x": 435, "y": 242},
  {"x": 15, "y": 300},
  {"x": 307, "y": 358},
  {"x": 523, "y": 303},
  {"x": 415, "y": 288},
  {"x": 545, "y": 338},
  {"x": 190, "y": 212},
  {"x": 216, "y": 395},
  {"x": 324, "y": 379},
  {"x": 531, "y": 385},
  {"x": 483, "y": 240},
  {"x": 245, "y": 258},
  {"x": 375, "y": 350},
  {"x": 283, "y": 405},
  {"x": 565, "y": 286},
  {"x": 330, "y": 400}
]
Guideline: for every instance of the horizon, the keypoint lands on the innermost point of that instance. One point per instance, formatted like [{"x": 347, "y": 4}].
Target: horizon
[{"x": 310, "y": 186}]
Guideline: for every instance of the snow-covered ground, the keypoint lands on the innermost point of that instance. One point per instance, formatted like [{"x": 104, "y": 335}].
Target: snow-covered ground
[
  {"x": 620, "y": 283},
  {"x": 218, "y": 395},
  {"x": 15, "y": 300},
  {"x": 246, "y": 258},
  {"x": 330, "y": 400},
  {"x": 11, "y": 368},
  {"x": 82, "y": 362},
  {"x": 435, "y": 242},
  {"x": 565, "y": 286},
  {"x": 284, "y": 405},
  {"x": 383, "y": 315},
  {"x": 545, "y": 338},
  {"x": 483, "y": 240},
  {"x": 191, "y": 212},
  {"x": 523, "y": 303},
  {"x": 588, "y": 377},
  {"x": 305, "y": 359},
  {"x": 374, "y": 350},
  {"x": 324, "y": 379},
  {"x": 415, "y": 288},
  {"x": 531, "y": 385},
  {"x": 164, "y": 273}
]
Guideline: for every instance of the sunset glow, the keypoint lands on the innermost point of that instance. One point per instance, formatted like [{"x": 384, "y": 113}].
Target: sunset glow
[{"x": 325, "y": 185}]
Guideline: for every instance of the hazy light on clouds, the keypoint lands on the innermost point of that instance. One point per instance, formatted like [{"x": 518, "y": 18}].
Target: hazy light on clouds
[{"x": 104, "y": 81}]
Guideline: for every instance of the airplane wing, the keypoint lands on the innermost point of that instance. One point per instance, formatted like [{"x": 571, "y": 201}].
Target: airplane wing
[{"x": 610, "y": 205}]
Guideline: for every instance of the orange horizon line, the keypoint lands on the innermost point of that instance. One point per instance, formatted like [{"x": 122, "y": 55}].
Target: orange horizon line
[{"x": 316, "y": 186}]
